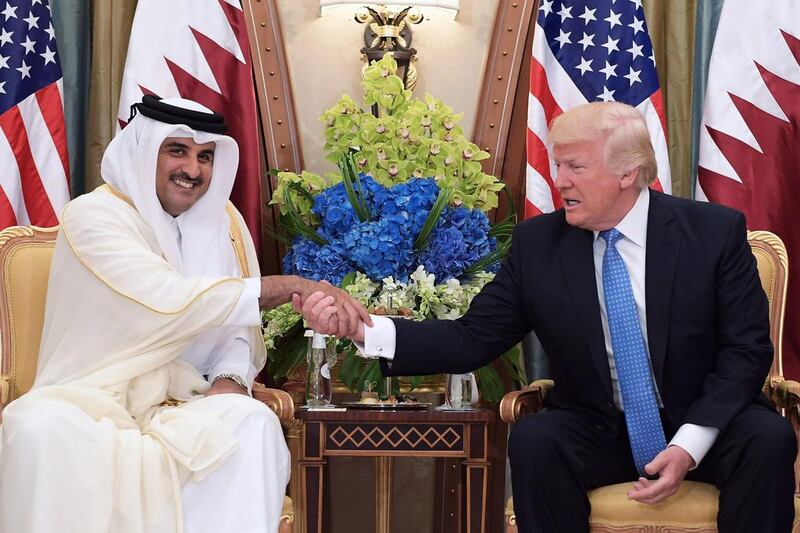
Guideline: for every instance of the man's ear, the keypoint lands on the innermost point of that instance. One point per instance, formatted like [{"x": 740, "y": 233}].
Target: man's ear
[{"x": 629, "y": 178}]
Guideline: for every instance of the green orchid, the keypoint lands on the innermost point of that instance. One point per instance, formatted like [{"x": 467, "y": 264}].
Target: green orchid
[{"x": 300, "y": 189}]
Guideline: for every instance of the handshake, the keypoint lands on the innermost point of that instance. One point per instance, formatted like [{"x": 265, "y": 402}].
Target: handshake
[
  {"x": 327, "y": 309},
  {"x": 331, "y": 311}
]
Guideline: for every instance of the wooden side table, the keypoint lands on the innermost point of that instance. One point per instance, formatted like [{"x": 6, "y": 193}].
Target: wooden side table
[{"x": 388, "y": 434}]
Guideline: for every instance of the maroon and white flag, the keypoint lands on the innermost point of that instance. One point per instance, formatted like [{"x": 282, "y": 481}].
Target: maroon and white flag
[
  {"x": 199, "y": 49},
  {"x": 749, "y": 154}
]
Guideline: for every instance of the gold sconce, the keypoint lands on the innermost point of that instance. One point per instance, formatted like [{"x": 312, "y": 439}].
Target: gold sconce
[{"x": 388, "y": 29}]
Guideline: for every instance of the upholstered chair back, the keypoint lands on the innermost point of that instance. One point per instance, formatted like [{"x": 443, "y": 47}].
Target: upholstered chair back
[
  {"x": 773, "y": 264},
  {"x": 25, "y": 256}
]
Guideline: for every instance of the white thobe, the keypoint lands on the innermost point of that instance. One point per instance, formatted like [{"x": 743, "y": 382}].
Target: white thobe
[{"x": 92, "y": 448}]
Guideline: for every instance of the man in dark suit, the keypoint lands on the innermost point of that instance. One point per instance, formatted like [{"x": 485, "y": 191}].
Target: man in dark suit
[{"x": 657, "y": 331}]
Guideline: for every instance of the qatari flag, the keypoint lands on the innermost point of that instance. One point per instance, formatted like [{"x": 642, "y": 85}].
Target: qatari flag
[
  {"x": 750, "y": 137},
  {"x": 198, "y": 49}
]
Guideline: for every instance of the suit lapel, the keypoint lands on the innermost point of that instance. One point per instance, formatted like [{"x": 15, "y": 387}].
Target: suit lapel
[
  {"x": 663, "y": 246},
  {"x": 577, "y": 258}
]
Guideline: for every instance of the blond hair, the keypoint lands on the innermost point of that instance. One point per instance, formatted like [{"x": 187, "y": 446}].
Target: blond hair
[{"x": 620, "y": 126}]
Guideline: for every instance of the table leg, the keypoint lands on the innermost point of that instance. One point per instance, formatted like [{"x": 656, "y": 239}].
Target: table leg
[
  {"x": 312, "y": 477},
  {"x": 383, "y": 493},
  {"x": 477, "y": 485},
  {"x": 477, "y": 478},
  {"x": 448, "y": 495},
  {"x": 312, "y": 482}
]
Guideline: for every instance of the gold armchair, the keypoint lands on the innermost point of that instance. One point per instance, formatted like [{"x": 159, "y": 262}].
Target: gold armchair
[
  {"x": 694, "y": 507},
  {"x": 25, "y": 255}
]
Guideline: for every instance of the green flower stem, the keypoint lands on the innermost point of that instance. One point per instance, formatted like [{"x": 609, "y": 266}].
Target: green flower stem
[
  {"x": 433, "y": 217},
  {"x": 484, "y": 262},
  {"x": 349, "y": 176},
  {"x": 296, "y": 225}
]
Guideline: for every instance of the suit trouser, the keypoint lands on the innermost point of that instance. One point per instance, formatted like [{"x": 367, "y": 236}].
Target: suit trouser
[{"x": 558, "y": 454}]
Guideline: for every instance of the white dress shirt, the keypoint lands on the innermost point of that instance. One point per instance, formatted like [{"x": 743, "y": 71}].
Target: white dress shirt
[
  {"x": 379, "y": 341},
  {"x": 226, "y": 349}
]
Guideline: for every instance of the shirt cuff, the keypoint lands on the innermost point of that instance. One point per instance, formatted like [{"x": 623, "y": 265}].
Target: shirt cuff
[
  {"x": 238, "y": 370},
  {"x": 379, "y": 340},
  {"x": 236, "y": 360},
  {"x": 695, "y": 440},
  {"x": 246, "y": 312}
]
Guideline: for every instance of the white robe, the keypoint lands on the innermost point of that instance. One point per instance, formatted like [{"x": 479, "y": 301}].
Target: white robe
[{"x": 91, "y": 448}]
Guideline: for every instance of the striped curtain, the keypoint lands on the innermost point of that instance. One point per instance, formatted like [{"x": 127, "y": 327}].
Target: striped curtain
[
  {"x": 111, "y": 28},
  {"x": 71, "y": 20}
]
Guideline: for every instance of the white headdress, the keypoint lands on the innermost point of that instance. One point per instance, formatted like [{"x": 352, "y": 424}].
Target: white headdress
[{"x": 129, "y": 165}]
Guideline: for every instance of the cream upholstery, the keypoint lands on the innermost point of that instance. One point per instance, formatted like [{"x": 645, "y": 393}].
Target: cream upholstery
[
  {"x": 694, "y": 507},
  {"x": 25, "y": 255}
]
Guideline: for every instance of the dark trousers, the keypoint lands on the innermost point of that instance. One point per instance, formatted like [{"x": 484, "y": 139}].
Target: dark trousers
[{"x": 558, "y": 454}]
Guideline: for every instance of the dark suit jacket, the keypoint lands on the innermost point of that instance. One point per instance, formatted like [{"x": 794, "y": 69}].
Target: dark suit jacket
[{"x": 707, "y": 315}]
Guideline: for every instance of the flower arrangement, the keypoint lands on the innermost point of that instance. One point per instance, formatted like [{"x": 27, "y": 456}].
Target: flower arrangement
[{"x": 402, "y": 226}]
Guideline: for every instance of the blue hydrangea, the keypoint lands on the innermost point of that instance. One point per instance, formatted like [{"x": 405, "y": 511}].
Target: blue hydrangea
[
  {"x": 335, "y": 211},
  {"x": 312, "y": 261},
  {"x": 412, "y": 200},
  {"x": 459, "y": 239},
  {"x": 384, "y": 245},
  {"x": 381, "y": 248}
]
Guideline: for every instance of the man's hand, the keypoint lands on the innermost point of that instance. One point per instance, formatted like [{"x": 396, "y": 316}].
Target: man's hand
[
  {"x": 343, "y": 320},
  {"x": 331, "y": 311},
  {"x": 225, "y": 386},
  {"x": 671, "y": 465}
]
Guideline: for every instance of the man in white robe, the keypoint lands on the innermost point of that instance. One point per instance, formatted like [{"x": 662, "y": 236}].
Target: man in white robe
[{"x": 140, "y": 419}]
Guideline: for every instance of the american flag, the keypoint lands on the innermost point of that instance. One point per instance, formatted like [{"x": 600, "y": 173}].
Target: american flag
[
  {"x": 585, "y": 51},
  {"x": 34, "y": 165}
]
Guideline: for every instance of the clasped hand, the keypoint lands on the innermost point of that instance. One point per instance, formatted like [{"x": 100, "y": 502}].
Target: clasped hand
[{"x": 331, "y": 311}]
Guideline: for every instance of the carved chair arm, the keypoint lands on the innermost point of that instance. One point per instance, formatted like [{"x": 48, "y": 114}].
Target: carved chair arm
[
  {"x": 517, "y": 404},
  {"x": 277, "y": 400},
  {"x": 511, "y": 517},
  {"x": 785, "y": 394},
  {"x": 5, "y": 389},
  {"x": 287, "y": 516}
]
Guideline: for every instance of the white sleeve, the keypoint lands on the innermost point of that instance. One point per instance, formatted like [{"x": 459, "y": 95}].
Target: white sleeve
[
  {"x": 246, "y": 312},
  {"x": 379, "y": 340},
  {"x": 234, "y": 358},
  {"x": 695, "y": 440}
]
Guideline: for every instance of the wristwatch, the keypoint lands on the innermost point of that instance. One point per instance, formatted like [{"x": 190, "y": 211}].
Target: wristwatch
[{"x": 233, "y": 377}]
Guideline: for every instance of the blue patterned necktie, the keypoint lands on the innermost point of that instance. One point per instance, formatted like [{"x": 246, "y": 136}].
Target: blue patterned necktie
[{"x": 630, "y": 356}]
